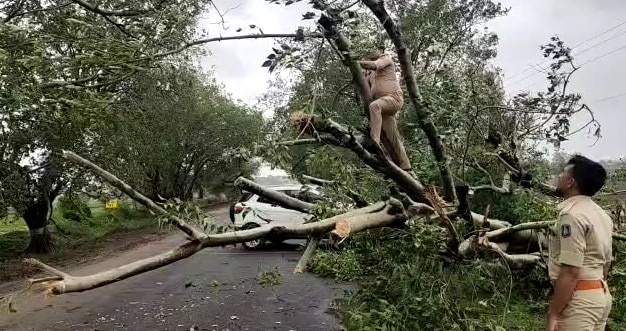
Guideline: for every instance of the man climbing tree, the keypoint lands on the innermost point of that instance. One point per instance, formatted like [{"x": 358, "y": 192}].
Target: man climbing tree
[{"x": 387, "y": 102}]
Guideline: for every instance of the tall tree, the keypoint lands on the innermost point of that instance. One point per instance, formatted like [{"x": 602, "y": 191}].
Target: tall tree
[
  {"x": 61, "y": 64},
  {"x": 168, "y": 133}
]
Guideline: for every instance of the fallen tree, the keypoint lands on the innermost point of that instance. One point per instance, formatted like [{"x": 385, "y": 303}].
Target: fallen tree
[
  {"x": 364, "y": 218},
  {"x": 376, "y": 215}
]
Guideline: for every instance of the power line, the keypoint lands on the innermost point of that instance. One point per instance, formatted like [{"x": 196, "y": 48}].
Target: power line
[
  {"x": 600, "y": 43},
  {"x": 579, "y": 44},
  {"x": 579, "y": 66},
  {"x": 574, "y": 55},
  {"x": 603, "y": 55},
  {"x": 609, "y": 98}
]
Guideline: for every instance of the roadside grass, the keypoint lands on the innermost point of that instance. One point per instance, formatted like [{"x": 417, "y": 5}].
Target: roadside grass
[{"x": 73, "y": 239}]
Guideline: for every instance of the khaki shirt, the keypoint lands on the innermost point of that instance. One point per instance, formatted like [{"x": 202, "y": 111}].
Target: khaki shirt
[
  {"x": 383, "y": 80},
  {"x": 581, "y": 238}
]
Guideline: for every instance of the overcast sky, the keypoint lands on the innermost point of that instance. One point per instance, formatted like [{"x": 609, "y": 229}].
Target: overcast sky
[{"x": 529, "y": 24}]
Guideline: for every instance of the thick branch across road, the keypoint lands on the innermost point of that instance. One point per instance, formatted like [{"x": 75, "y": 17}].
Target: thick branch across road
[{"x": 372, "y": 215}]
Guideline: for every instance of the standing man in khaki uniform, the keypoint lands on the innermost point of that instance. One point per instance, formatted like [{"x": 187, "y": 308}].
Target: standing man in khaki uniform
[
  {"x": 580, "y": 251},
  {"x": 387, "y": 101}
]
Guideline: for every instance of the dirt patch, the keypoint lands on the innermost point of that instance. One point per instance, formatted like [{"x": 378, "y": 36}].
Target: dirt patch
[{"x": 13, "y": 269}]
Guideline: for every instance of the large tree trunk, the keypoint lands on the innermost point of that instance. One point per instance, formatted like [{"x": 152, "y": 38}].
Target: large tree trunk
[
  {"x": 38, "y": 208},
  {"x": 37, "y": 216},
  {"x": 40, "y": 241}
]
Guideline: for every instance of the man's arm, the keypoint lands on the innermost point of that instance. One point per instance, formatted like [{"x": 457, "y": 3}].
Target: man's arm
[
  {"x": 563, "y": 289},
  {"x": 368, "y": 65},
  {"x": 572, "y": 233},
  {"x": 607, "y": 268},
  {"x": 382, "y": 62}
]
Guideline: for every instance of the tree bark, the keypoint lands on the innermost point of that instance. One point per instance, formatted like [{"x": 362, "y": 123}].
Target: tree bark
[
  {"x": 38, "y": 210},
  {"x": 346, "y": 227},
  {"x": 40, "y": 240}
]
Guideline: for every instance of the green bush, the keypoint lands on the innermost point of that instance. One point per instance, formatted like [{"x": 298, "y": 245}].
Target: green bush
[
  {"x": 405, "y": 284},
  {"x": 343, "y": 267},
  {"x": 73, "y": 208},
  {"x": 126, "y": 211}
]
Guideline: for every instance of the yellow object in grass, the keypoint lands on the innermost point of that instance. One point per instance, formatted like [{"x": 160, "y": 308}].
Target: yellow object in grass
[{"x": 112, "y": 204}]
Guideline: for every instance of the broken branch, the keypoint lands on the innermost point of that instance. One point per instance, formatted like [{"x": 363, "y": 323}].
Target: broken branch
[
  {"x": 347, "y": 226},
  {"x": 356, "y": 197},
  {"x": 515, "y": 261},
  {"x": 343, "y": 45},
  {"x": 250, "y": 36},
  {"x": 46, "y": 267},
  {"x": 306, "y": 256},
  {"x": 357, "y": 144},
  {"x": 495, "y": 235},
  {"x": 437, "y": 204}
]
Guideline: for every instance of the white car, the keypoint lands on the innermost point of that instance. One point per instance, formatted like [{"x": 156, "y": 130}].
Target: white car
[{"x": 253, "y": 211}]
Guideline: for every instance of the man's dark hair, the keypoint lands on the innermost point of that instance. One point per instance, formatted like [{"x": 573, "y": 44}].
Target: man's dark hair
[{"x": 589, "y": 175}]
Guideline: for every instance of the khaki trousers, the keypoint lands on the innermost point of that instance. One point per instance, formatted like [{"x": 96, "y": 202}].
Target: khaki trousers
[
  {"x": 588, "y": 310},
  {"x": 383, "y": 118}
]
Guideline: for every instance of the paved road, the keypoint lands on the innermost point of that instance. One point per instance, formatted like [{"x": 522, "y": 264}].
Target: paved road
[{"x": 215, "y": 289}]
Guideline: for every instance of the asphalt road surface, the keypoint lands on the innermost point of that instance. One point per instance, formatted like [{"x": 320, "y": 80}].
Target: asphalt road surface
[{"x": 216, "y": 289}]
